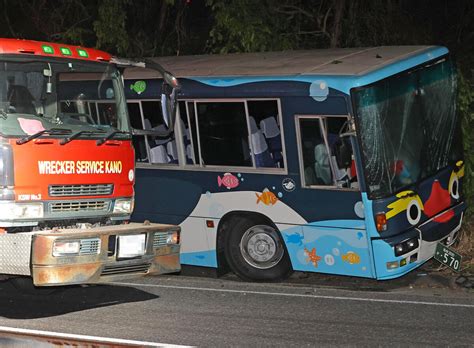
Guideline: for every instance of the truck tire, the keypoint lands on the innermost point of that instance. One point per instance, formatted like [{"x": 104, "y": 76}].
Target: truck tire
[{"x": 255, "y": 251}]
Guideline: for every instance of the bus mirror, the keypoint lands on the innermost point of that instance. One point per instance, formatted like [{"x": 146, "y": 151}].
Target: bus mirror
[{"x": 343, "y": 154}]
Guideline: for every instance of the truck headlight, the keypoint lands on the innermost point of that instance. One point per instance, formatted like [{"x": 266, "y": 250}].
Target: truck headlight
[
  {"x": 123, "y": 206},
  {"x": 65, "y": 248},
  {"x": 173, "y": 237},
  {"x": 13, "y": 210}
]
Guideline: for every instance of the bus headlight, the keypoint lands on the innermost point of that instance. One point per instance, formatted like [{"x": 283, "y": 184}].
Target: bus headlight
[
  {"x": 13, "y": 210},
  {"x": 406, "y": 246},
  {"x": 123, "y": 206}
]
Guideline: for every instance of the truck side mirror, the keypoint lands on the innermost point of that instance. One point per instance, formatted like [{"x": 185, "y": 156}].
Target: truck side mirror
[{"x": 343, "y": 153}]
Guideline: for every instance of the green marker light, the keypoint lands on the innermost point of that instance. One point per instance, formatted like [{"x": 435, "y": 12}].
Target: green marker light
[
  {"x": 48, "y": 49},
  {"x": 66, "y": 51},
  {"x": 82, "y": 53}
]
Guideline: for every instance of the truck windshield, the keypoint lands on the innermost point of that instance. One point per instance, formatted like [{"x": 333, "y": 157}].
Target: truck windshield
[
  {"x": 85, "y": 98},
  {"x": 408, "y": 127}
]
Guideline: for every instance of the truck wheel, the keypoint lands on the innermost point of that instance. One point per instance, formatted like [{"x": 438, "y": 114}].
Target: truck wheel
[{"x": 255, "y": 251}]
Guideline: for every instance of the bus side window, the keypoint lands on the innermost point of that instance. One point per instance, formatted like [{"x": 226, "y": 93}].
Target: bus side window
[
  {"x": 265, "y": 133},
  {"x": 162, "y": 150},
  {"x": 319, "y": 138},
  {"x": 189, "y": 132},
  {"x": 138, "y": 140},
  {"x": 223, "y": 134}
]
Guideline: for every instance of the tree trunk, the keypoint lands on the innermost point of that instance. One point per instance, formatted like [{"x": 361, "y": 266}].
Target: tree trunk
[{"x": 336, "y": 28}]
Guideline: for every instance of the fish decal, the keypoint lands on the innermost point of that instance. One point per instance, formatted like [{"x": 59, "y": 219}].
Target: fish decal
[
  {"x": 295, "y": 238},
  {"x": 351, "y": 257},
  {"x": 288, "y": 184},
  {"x": 139, "y": 87},
  {"x": 312, "y": 257},
  {"x": 228, "y": 180},
  {"x": 267, "y": 197}
]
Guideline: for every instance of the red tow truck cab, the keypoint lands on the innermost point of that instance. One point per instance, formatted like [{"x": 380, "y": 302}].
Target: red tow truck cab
[{"x": 67, "y": 171}]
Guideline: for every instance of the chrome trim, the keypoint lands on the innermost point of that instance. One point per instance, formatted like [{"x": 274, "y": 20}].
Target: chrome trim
[
  {"x": 80, "y": 190},
  {"x": 79, "y": 206},
  {"x": 125, "y": 269},
  {"x": 90, "y": 246},
  {"x": 159, "y": 239}
]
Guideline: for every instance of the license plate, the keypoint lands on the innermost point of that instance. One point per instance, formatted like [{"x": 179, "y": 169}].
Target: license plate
[
  {"x": 131, "y": 245},
  {"x": 448, "y": 257}
]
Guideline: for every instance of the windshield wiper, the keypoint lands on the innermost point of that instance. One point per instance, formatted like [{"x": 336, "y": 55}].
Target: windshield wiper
[
  {"x": 111, "y": 136},
  {"x": 52, "y": 131},
  {"x": 78, "y": 134}
]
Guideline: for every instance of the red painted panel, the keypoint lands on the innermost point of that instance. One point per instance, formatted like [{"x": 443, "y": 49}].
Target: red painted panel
[
  {"x": 29, "y": 47},
  {"x": 43, "y": 162}
]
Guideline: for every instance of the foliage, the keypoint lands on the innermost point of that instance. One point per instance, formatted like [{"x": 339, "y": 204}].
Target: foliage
[
  {"x": 248, "y": 26},
  {"x": 110, "y": 26},
  {"x": 466, "y": 111}
]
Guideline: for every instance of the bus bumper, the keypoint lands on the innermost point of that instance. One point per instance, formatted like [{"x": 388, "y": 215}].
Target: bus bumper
[
  {"x": 105, "y": 254},
  {"x": 428, "y": 234}
]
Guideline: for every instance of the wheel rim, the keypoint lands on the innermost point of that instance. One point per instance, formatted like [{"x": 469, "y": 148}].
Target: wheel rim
[{"x": 260, "y": 247}]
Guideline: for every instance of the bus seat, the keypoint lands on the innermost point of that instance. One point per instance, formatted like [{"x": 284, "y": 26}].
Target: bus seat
[
  {"x": 253, "y": 125},
  {"x": 260, "y": 150},
  {"x": 147, "y": 124},
  {"x": 158, "y": 154},
  {"x": 160, "y": 141},
  {"x": 21, "y": 100},
  {"x": 185, "y": 131},
  {"x": 172, "y": 151},
  {"x": 321, "y": 164},
  {"x": 189, "y": 154},
  {"x": 271, "y": 131}
]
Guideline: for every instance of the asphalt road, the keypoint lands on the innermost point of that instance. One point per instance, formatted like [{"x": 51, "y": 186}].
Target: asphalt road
[{"x": 208, "y": 312}]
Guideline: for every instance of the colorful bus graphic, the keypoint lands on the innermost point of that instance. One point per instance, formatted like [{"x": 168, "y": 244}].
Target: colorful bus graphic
[{"x": 341, "y": 161}]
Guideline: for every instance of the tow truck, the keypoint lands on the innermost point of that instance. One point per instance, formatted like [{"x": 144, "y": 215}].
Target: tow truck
[{"x": 67, "y": 169}]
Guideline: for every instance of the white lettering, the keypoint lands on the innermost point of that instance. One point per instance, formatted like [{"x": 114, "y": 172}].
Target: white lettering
[{"x": 79, "y": 167}]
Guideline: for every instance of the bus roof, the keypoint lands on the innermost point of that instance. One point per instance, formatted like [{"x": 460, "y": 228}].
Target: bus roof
[
  {"x": 50, "y": 49},
  {"x": 338, "y": 61}
]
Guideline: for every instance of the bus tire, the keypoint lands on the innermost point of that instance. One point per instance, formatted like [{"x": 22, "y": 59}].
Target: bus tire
[{"x": 255, "y": 251}]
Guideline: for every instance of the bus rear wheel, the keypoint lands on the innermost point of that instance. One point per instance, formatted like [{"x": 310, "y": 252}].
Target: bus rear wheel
[{"x": 255, "y": 251}]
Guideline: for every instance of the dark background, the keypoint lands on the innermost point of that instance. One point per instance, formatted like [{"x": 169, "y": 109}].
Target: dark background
[{"x": 176, "y": 27}]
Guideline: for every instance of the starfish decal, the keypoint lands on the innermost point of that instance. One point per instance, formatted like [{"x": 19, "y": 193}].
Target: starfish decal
[{"x": 312, "y": 257}]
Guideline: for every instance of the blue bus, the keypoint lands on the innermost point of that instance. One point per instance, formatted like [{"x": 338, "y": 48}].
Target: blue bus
[{"x": 341, "y": 161}]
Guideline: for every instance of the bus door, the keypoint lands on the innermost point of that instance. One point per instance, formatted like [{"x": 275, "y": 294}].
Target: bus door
[{"x": 335, "y": 239}]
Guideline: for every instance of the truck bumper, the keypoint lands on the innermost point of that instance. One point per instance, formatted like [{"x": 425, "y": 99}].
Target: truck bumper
[{"x": 99, "y": 258}]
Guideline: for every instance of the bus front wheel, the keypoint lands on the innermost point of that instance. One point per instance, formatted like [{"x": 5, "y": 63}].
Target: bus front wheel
[{"x": 255, "y": 251}]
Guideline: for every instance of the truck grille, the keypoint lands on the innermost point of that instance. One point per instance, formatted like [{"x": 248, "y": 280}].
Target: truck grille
[
  {"x": 59, "y": 207},
  {"x": 124, "y": 269},
  {"x": 80, "y": 190},
  {"x": 159, "y": 239},
  {"x": 89, "y": 246}
]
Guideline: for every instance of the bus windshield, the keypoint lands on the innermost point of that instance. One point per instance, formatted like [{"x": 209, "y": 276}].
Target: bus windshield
[
  {"x": 408, "y": 127},
  {"x": 66, "y": 94}
]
